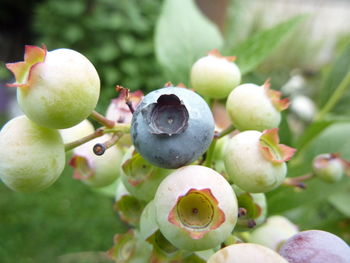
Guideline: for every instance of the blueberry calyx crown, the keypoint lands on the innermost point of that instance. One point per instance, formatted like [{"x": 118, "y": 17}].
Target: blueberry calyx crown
[{"x": 168, "y": 116}]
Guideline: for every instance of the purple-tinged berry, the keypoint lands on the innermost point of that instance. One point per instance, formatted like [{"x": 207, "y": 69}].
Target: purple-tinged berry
[{"x": 314, "y": 246}]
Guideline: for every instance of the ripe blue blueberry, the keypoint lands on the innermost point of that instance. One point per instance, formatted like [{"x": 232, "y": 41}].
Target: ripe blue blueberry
[{"x": 172, "y": 127}]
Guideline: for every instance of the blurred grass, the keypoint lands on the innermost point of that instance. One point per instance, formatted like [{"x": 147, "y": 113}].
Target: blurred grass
[{"x": 66, "y": 218}]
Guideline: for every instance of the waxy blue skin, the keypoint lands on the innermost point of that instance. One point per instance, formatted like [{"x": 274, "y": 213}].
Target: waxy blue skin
[{"x": 178, "y": 149}]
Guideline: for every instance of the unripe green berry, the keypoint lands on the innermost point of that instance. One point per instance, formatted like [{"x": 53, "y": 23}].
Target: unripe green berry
[
  {"x": 56, "y": 89},
  {"x": 215, "y": 76},
  {"x": 246, "y": 253},
  {"x": 196, "y": 208},
  {"x": 255, "y": 162},
  {"x": 274, "y": 232},
  {"x": 328, "y": 167},
  {"x": 96, "y": 170},
  {"x": 253, "y": 107},
  {"x": 31, "y": 157}
]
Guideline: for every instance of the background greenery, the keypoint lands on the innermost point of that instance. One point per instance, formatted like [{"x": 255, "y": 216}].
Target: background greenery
[{"x": 142, "y": 45}]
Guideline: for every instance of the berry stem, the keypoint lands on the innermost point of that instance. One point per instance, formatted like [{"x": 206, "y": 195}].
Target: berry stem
[
  {"x": 69, "y": 146},
  {"x": 298, "y": 181},
  {"x": 223, "y": 133},
  {"x": 209, "y": 154},
  {"x": 102, "y": 119},
  {"x": 118, "y": 127},
  {"x": 336, "y": 96}
]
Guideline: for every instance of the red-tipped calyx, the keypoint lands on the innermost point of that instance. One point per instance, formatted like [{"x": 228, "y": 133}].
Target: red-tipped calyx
[
  {"x": 197, "y": 212},
  {"x": 216, "y": 53},
  {"x": 272, "y": 149},
  {"x": 275, "y": 97},
  {"x": 21, "y": 70}
]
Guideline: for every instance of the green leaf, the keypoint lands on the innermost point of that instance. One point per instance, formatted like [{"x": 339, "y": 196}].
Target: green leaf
[
  {"x": 255, "y": 49},
  {"x": 335, "y": 75},
  {"x": 311, "y": 133},
  {"x": 183, "y": 34},
  {"x": 341, "y": 201}
]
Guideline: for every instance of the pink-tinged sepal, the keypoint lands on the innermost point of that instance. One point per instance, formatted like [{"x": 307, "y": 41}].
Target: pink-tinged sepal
[
  {"x": 82, "y": 167},
  {"x": 216, "y": 53},
  {"x": 272, "y": 149},
  {"x": 197, "y": 212},
  {"x": 275, "y": 97},
  {"x": 119, "y": 111},
  {"x": 21, "y": 70}
]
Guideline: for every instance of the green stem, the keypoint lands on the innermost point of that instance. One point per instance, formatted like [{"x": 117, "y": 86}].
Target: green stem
[
  {"x": 119, "y": 128},
  {"x": 228, "y": 130},
  {"x": 102, "y": 119},
  {"x": 336, "y": 96},
  {"x": 210, "y": 153},
  {"x": 72, "y": 145}
]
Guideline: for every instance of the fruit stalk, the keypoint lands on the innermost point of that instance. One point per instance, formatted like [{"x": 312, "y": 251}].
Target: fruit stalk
[
  {"x": 69, "y": 146},
  {"x": 102, "y": 119}
]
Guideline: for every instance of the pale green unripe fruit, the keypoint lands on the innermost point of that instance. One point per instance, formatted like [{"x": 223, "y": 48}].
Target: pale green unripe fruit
[
  {"x": 250, "y": 108},
  {"x": 59, "y": 89},
  {"x": 214, "y": 77},
  {"x": 246, "y": 253},
  {"x": 248, "y": 168},
  {"x": 196, "y": 208},
  {"x": 328, "y": 167},
  {"x": 31, "y": 157},
  {"x": 274, "y": 232}
]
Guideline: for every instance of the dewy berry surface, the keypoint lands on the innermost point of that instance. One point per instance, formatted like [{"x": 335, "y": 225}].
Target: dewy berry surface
[
  {"x": 56, "y": 89},
  {"x": 172, "y": 127},
  {"x": 31, "y": 157}
]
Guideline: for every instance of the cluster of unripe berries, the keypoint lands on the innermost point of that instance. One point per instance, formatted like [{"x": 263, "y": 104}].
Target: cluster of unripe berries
[{"x": 184, "y": 187}]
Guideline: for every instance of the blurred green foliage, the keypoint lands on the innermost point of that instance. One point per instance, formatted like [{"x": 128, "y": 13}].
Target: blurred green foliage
[
  {"x": 117, "y": 36},
  {"x": 68, "y": 217}
]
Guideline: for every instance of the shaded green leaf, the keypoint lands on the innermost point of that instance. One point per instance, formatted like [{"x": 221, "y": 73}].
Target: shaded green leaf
[
  {"x": 183, "y": 34},
  {"x": 334, "y": 77},
  {"x": 311, "y": 133},
  {"x": 255, "y": 49},
  {"x": 341, "y": 201}
]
